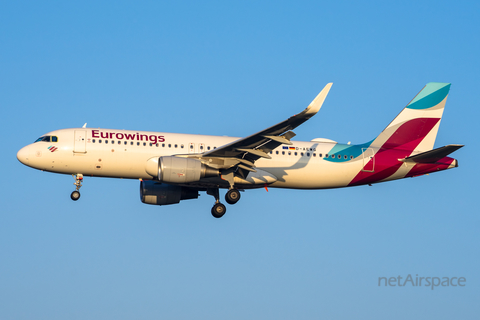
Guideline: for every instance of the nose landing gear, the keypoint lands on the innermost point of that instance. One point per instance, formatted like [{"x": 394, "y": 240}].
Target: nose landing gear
[{"x": 78, "y": 183}]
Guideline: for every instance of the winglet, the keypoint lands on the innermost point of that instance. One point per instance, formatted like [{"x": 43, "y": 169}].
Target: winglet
[{"x": 316, "y": 104}]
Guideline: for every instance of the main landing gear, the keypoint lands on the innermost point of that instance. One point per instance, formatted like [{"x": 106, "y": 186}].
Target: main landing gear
[
  {"x": 232, "y": 196},
  {"x": 219, "y": 209},
  {"x": 78, "y": 183}
]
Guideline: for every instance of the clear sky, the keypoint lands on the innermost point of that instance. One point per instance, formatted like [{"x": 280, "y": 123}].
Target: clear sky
[{"x": 234, "y": 68}]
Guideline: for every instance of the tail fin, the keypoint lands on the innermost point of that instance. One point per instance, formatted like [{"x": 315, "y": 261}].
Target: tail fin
[{"x": 416, "y": 127}]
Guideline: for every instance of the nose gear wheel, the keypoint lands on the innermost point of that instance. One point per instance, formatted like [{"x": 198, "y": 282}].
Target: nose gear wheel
[{"x": 75, "y": 195}]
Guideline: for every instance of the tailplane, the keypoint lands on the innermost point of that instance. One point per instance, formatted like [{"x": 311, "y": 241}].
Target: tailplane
[
  {"x": 434, "y": 155},
  {"x": 416, "y": 127}
]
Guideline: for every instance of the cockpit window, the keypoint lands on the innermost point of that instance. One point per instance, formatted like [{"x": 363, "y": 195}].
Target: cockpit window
[{"x": 47, "y": 139}]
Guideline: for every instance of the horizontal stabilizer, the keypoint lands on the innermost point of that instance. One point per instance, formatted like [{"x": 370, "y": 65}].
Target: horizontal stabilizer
[{"x": 433, "y": 155}]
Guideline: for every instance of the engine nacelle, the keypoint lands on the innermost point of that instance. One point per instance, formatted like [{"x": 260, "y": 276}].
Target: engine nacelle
[
  {"x": 153, "y": 192},
  {"x": 179, "y": 170}
]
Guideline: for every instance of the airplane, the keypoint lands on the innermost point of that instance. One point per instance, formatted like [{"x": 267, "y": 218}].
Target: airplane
[{"x": 173, "y": 167}]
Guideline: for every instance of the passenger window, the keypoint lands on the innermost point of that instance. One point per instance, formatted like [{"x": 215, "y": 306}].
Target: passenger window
[
  {"x": 138, "y": 143},
  {"x": 181, "y": 146},
  {"x": 93, "y": 140},
  {"x": 106, "y": 141},
  {"x": 345, "y": 157},
  {"x": 119, "y": 142},
  {"x": 339, "y": 157},
  {"x": 301, "y": 154},
  {"x": 289, "y": 153},
  {"x": 314, "y": 154},
  {"x": 201, "y": 147},
  {"x": 131, "y": 143},
  {"x": 163, "y": 145},
  {"x": 169, "y": 145},
  {"x": 150, "y": 144},
  {"x": 113, "y": 142},
  {"x": 308, "y": 154},
  {"x": 191, "y": 146},
  {"x": 99, "y": 141},
  {"x": 319, "y": 155},
  {"x": 144, "y": 144},
  {"x": 326, "y": 155},
  {"x": 283, "y": 152},
  {"x": 276, "y": 152},
  {"x": 208, "y": 148},
  {"x": 176, "y": 146},
  {"x": 351, "y": 157},
  {"x": 125, "y": 142},
  {"x": 333, "y": 156}
]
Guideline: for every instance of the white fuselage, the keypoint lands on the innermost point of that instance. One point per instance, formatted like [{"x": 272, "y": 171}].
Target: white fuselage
[{"x": 124, "y": 154}]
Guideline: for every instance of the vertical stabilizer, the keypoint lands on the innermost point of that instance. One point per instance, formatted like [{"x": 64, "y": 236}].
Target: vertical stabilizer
[{"x": 416, "y": 127}]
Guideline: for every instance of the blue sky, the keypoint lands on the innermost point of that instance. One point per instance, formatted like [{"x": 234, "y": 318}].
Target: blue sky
[{"x": 234, "y": 68}]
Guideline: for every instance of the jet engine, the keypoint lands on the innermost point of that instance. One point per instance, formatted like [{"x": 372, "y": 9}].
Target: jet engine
[
  {"x": 179, "y": 170},
  {"x": 154, "y": 192}
]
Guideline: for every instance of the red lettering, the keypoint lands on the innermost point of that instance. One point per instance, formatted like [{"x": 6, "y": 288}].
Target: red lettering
[
  {"x": 153, "y": 139},
  {"x": 129, "y": 136}
]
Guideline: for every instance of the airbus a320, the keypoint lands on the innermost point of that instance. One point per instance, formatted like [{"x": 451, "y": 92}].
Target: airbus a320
[{"x": 173, "y": 167}]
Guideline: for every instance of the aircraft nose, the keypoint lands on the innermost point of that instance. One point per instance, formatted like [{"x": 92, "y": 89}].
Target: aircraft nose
[{"x": 23, "y": 155}]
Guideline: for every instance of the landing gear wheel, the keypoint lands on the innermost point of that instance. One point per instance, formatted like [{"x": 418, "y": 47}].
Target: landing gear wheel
[
  {"x": 78, "y": 184},
  {"x": 218, "y": 210},
  {"x": 232, "y": 196},
  {"x": 75, "y": 195}
]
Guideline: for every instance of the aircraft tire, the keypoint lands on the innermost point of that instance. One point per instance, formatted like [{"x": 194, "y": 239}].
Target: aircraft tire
[
  {"x": 218, "y": 210},
  {"x": 75, "y": 195},
  {"x": 232, "y": 196}
]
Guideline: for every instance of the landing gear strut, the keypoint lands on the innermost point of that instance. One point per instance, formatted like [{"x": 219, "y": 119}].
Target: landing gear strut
[
  {"x": 78, "y": 183},
  {"x": 218, "y": 209}
]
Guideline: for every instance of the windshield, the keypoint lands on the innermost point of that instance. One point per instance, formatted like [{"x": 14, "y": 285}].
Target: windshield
[{"x": 47, "y": 139}]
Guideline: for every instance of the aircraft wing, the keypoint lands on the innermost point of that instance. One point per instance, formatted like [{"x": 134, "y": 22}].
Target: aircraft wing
[{"x": 247, "y": 150}]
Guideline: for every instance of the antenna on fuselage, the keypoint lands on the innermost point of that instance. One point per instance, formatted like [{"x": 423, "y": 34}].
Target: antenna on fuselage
[{"x": 85, "y": 125}]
